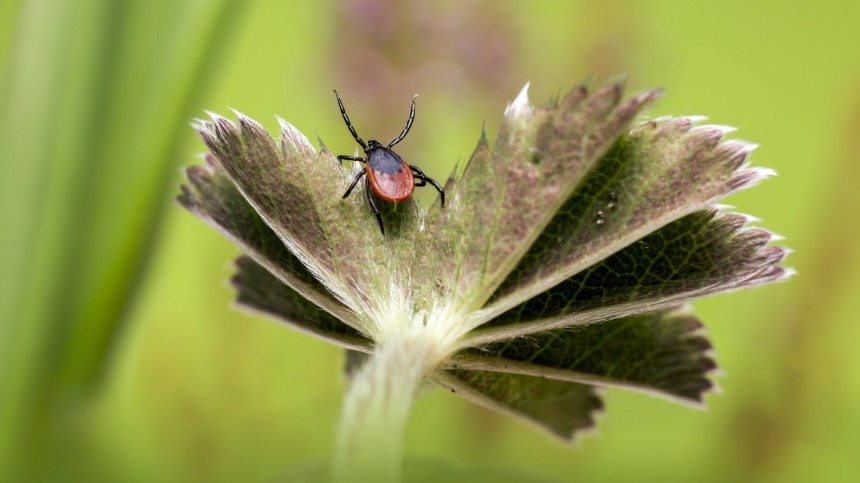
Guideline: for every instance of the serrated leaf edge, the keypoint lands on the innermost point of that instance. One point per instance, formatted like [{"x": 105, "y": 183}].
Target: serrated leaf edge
[
  {"x": 769, "y": 271},
  {"x": 451, "y": 383}
]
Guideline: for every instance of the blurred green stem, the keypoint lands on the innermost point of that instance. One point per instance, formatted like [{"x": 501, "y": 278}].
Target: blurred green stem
[{"x": 376, "y": 409}]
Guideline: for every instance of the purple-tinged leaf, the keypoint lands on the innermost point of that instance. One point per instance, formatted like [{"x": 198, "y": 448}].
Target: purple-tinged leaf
[
  {"x": 660, "y": 172},
  {"x": 560, "y": 407},
  {"x": 298, "y": 192},
  {"x": 662, "y": 353},
  {"x": 555, "y": 268},
  {"x": 701, "y": 254},
  {"x": 260, "y": 291},
  {"x": 213, "y": 197},
  {"x": 506, "y": 195}
]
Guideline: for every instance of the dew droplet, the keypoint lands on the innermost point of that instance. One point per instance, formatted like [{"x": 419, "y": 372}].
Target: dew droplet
[
  {"x": 612, "y": 200},
  {"x": 598, "y": 218}
]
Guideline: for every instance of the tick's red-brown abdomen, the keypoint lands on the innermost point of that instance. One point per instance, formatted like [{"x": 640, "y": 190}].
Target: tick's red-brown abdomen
[{"x": 392, "y": 187}]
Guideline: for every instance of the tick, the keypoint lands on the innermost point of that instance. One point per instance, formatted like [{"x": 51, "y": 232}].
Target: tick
[{"x": 387, "y": 175}]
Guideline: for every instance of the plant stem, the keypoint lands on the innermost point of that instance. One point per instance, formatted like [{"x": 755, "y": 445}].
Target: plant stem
[{"x": 376, "y": 408}]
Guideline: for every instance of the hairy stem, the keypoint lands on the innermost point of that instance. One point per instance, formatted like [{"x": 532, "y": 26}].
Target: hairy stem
[{"x": 376, "y": 408}]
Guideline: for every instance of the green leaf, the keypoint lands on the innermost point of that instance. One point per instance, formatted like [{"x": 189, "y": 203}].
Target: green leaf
[
  {"x": 297, "y": 192},
  {"x": 562, "y": 408},
  {"x": 556, "y": 267},
  {"x": 660, "y": 352},
  {"x": 701, "y": 254},
  {"x": 507, "y": 195},
  {"x": 213, "y": 197},
  {"x": 94, "y": 100},
  {"x": 353, "y": 360},
  {"x": 260, "y": 291},
  {"x": 660, "y": 172}
]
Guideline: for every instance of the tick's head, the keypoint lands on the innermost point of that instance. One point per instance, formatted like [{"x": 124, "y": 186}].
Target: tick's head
[{"x": 373, "y": 145}]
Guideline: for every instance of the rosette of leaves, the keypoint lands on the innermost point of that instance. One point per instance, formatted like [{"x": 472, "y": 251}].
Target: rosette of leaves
[{"x": 560, "y": 264}]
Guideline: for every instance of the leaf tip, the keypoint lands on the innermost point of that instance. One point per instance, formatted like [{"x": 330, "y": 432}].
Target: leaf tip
[
  {"x": 250, "y": 127},
  {"x": 719, "y": 129},
  {"x": 224, "y": 128},
  {"x": 648, "y": 96},
  {"x": 762, "y": 173},
  {"x": 199, "y": 124},
  {"x": 293, "y": 139},
  {"x": 208, "y": 133},
  {"x": 614, "y": 88},
  {"x": 748, "y": 219},
  {"x": 776, "y": 237},
  {"x": 520, "y": 107},
  {"x": 749, "y": 177},
  {"x": 452, "y": 177},
  {"x": 220, "y": 124},
  {"x": 238, "y": 113},
  {"x": 787, "y": 272},
  {"x": 320, "y": 141},
  {"x": 745, "y": 147},
  {"x": 722, "y": 207},
  {"x": 484, "y": 140}
]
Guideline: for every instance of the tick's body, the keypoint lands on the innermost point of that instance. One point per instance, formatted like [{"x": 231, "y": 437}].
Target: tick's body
[
  {"x": 390, "y": 178},
  {"x": 387, "y": 175}
]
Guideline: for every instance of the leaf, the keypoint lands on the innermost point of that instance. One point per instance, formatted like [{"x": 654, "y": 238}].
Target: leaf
[
  {"x": 506, "y": 196},
  {"x": 353, "y": 360},
  {"x": 298, "y": 192},
  {"x": 94, "y": 100},
  {"x": 555, "y": 268},
  {"x": 260, "y": 291},
  {"x": 701, "y": 254},
  {"x": 213, "y": 197},
  {"x": 660, "y": 353},
  {"x": 658, "y": 173},
  {"x": 562, "y": 408}
]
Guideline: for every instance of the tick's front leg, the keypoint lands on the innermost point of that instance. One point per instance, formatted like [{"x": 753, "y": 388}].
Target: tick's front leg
[{"x": 344, "y": 157}]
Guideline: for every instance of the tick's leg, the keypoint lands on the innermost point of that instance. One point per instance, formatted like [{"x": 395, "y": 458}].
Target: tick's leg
[
  {"x": 373, "y": 205},
  {"x": 349, "y": 124},
  {"x": 344, "y": 157},
  {"x": 408, "y": 125},
  {"x": 354, "y": 182},
  {"x": 416, "y": 170},
  {"x": 426, "y": 179}
]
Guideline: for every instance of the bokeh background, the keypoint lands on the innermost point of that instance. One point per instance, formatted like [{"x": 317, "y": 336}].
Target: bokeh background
[{"x": 121, "y": 359}]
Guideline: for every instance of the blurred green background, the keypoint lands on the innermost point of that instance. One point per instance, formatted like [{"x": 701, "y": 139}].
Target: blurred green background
[{"x": 120, "y": 359}]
